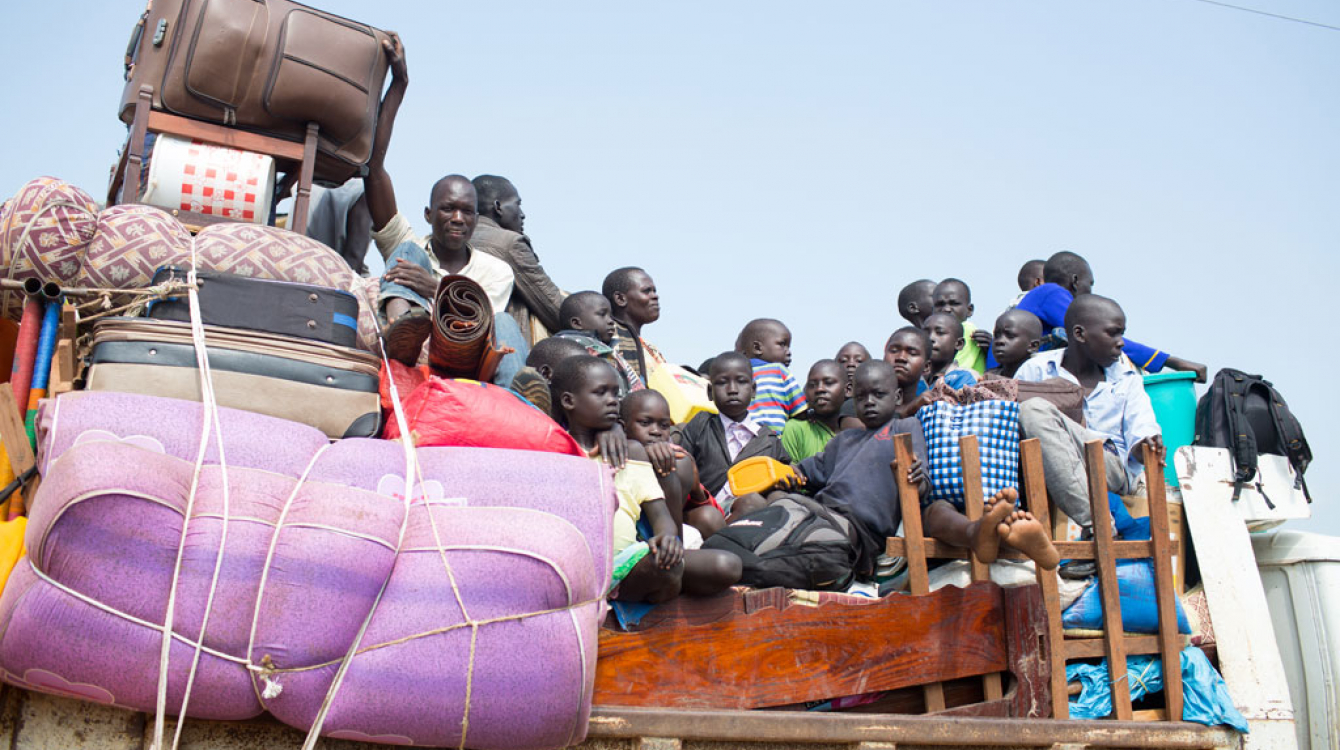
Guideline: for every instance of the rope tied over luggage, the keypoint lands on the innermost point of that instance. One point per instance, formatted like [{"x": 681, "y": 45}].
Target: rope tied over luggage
[
  {"x": 209, "y": 419},
  {"x": 267, "y": 676}
]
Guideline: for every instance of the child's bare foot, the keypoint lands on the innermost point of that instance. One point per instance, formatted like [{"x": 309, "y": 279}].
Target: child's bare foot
[
  {"x": 1027, "y": 535},
  {"x": 986, "y": 535},
  {"x": 1008, "y": 496}
]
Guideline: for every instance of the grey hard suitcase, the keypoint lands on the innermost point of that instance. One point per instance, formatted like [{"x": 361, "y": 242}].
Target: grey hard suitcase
[{"x": 331, "y": 388}]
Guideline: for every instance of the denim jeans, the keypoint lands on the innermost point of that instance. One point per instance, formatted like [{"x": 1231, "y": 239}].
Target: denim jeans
[{"x": 506, "y": 332}]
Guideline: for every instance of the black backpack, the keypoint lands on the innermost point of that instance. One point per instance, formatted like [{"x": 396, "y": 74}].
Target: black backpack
[
  {"x": 1245, "y": 414},
  {"x": 794, "y": 542}
]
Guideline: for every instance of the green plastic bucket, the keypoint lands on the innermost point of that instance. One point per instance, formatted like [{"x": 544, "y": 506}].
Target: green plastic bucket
[{"x": 1173, "y": 394}]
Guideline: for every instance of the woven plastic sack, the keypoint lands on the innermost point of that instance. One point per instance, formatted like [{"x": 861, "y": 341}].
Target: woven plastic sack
[
  {"x": 44, "y": 231},
  {"x": 131, "y": 243},
  {"x": 467, "y": 413},
  {"x": 996, "y": 425},
  {"x": 53, "y": 231}
]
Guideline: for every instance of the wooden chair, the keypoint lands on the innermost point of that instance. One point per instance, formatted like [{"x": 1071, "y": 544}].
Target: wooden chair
[
  {"x": 287, "y": 154},
  {"x": 1114, "y": 644}
]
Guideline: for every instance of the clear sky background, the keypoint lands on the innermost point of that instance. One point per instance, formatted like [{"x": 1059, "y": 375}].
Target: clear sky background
[{"x": 804, "y": 161}]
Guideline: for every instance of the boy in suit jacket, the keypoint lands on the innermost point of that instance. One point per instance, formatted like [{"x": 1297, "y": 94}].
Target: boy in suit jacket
[{"x": 719, "y": 441}]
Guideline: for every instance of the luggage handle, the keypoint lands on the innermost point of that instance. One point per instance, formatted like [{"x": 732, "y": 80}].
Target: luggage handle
[
  {"x": 133, "y": 46},
  {"x": 137, "y": 36}
]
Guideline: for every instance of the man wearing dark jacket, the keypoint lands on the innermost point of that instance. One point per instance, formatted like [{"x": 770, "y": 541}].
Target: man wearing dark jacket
[{"x": 500, "y": 234}]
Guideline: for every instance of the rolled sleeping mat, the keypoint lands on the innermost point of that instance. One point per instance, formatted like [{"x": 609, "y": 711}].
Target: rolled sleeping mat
[
  {"x": 46, "y": 347},
  {"x": 30, "y": 326},
  {"x": 461, "y": 344}
]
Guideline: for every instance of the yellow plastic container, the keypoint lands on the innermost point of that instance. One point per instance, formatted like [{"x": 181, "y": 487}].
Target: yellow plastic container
[
  {"x": 11, "y": 546},
  {"x": 756, "y": 475}
]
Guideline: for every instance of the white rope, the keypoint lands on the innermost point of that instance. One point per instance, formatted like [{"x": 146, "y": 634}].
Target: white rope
[
  {"x": 411, "y": 470},
  {"x": 265, "y": 574},
  {"x": 210, "y": 418}
]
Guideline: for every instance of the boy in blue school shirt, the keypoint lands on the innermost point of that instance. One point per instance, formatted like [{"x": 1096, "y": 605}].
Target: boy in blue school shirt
[
  {"x": 1066, "y": 276},
  {"x": 1116, "y": 408}
]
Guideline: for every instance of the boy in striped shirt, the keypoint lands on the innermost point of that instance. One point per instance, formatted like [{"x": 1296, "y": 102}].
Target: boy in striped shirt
[{"x": 777, "y": 395}]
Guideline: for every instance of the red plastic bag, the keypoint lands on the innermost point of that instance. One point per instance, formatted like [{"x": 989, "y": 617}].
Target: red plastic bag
[{"x": 446, "y": 411}]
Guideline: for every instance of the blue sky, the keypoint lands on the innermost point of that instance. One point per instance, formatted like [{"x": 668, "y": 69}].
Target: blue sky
[{"x": 774, "y": 159}]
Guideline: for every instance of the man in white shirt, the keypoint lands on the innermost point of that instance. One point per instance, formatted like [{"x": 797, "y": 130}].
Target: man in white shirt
[
  {"x": 415, "y": 264},
  {"x": 1116, "y": 408}
]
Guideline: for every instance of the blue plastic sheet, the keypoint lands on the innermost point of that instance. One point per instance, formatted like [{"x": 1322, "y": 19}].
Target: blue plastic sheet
[{"x": 1205, "y": 698}]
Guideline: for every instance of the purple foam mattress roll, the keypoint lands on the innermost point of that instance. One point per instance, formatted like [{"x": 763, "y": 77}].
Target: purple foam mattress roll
[{"x": 489, "y": 580}]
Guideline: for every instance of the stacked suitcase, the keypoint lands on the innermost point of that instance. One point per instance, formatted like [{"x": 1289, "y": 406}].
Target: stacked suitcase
[{"x": 275, "y": 348}]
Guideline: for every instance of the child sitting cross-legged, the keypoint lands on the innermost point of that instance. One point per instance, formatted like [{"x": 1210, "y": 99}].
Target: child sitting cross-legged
[
  {"x": 645, "y": 416},
  {"x": 585, "y": 391},
  {"x": 946, "y": 339},
  {"x": 825, "y": 392},
  {"x": 1017, "y": 337},
  {"x": 777, "y": 396},
  {"x": 718, "y": 441}
]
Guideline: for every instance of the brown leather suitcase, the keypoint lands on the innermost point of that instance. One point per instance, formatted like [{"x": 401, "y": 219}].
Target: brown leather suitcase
[{"x": 269, "y": 66}]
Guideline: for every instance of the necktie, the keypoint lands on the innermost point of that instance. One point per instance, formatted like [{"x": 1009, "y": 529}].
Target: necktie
[{"x": 739, "y": 437}]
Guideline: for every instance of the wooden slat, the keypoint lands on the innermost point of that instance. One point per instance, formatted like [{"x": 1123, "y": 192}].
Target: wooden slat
[
  {"x": 778, "y": 657},
  {"x": 162, "y": 122},
  {"x": 1092, "y": 648},
  {"x": 971, "y": 461},
  {"x": 118, "y": 176},
  {"x": 793, "y": 728},
  {"x": 918, "y": 577},
  {"x": 1121, "y": 550},
  {"x": 304, "y": 192},
  {"x": 194, "y": 221},
  {"x": 62, "y": 368},
  {"x": 130, "y": 187},
  {"x": 1169, "y": 640},
  {"x": 13, "y": 435},
  {"x": 1029, "y": 652},
  {"x": 1115, "y": 648},
  {"x": 1030, "y": 462}
]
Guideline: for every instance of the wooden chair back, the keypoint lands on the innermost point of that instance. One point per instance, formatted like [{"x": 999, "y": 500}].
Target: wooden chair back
[{"x": 1115, "y": 645}]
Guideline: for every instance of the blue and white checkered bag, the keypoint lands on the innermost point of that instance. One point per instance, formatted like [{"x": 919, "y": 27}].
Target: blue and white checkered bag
[{"x": 996, "y": 425}]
